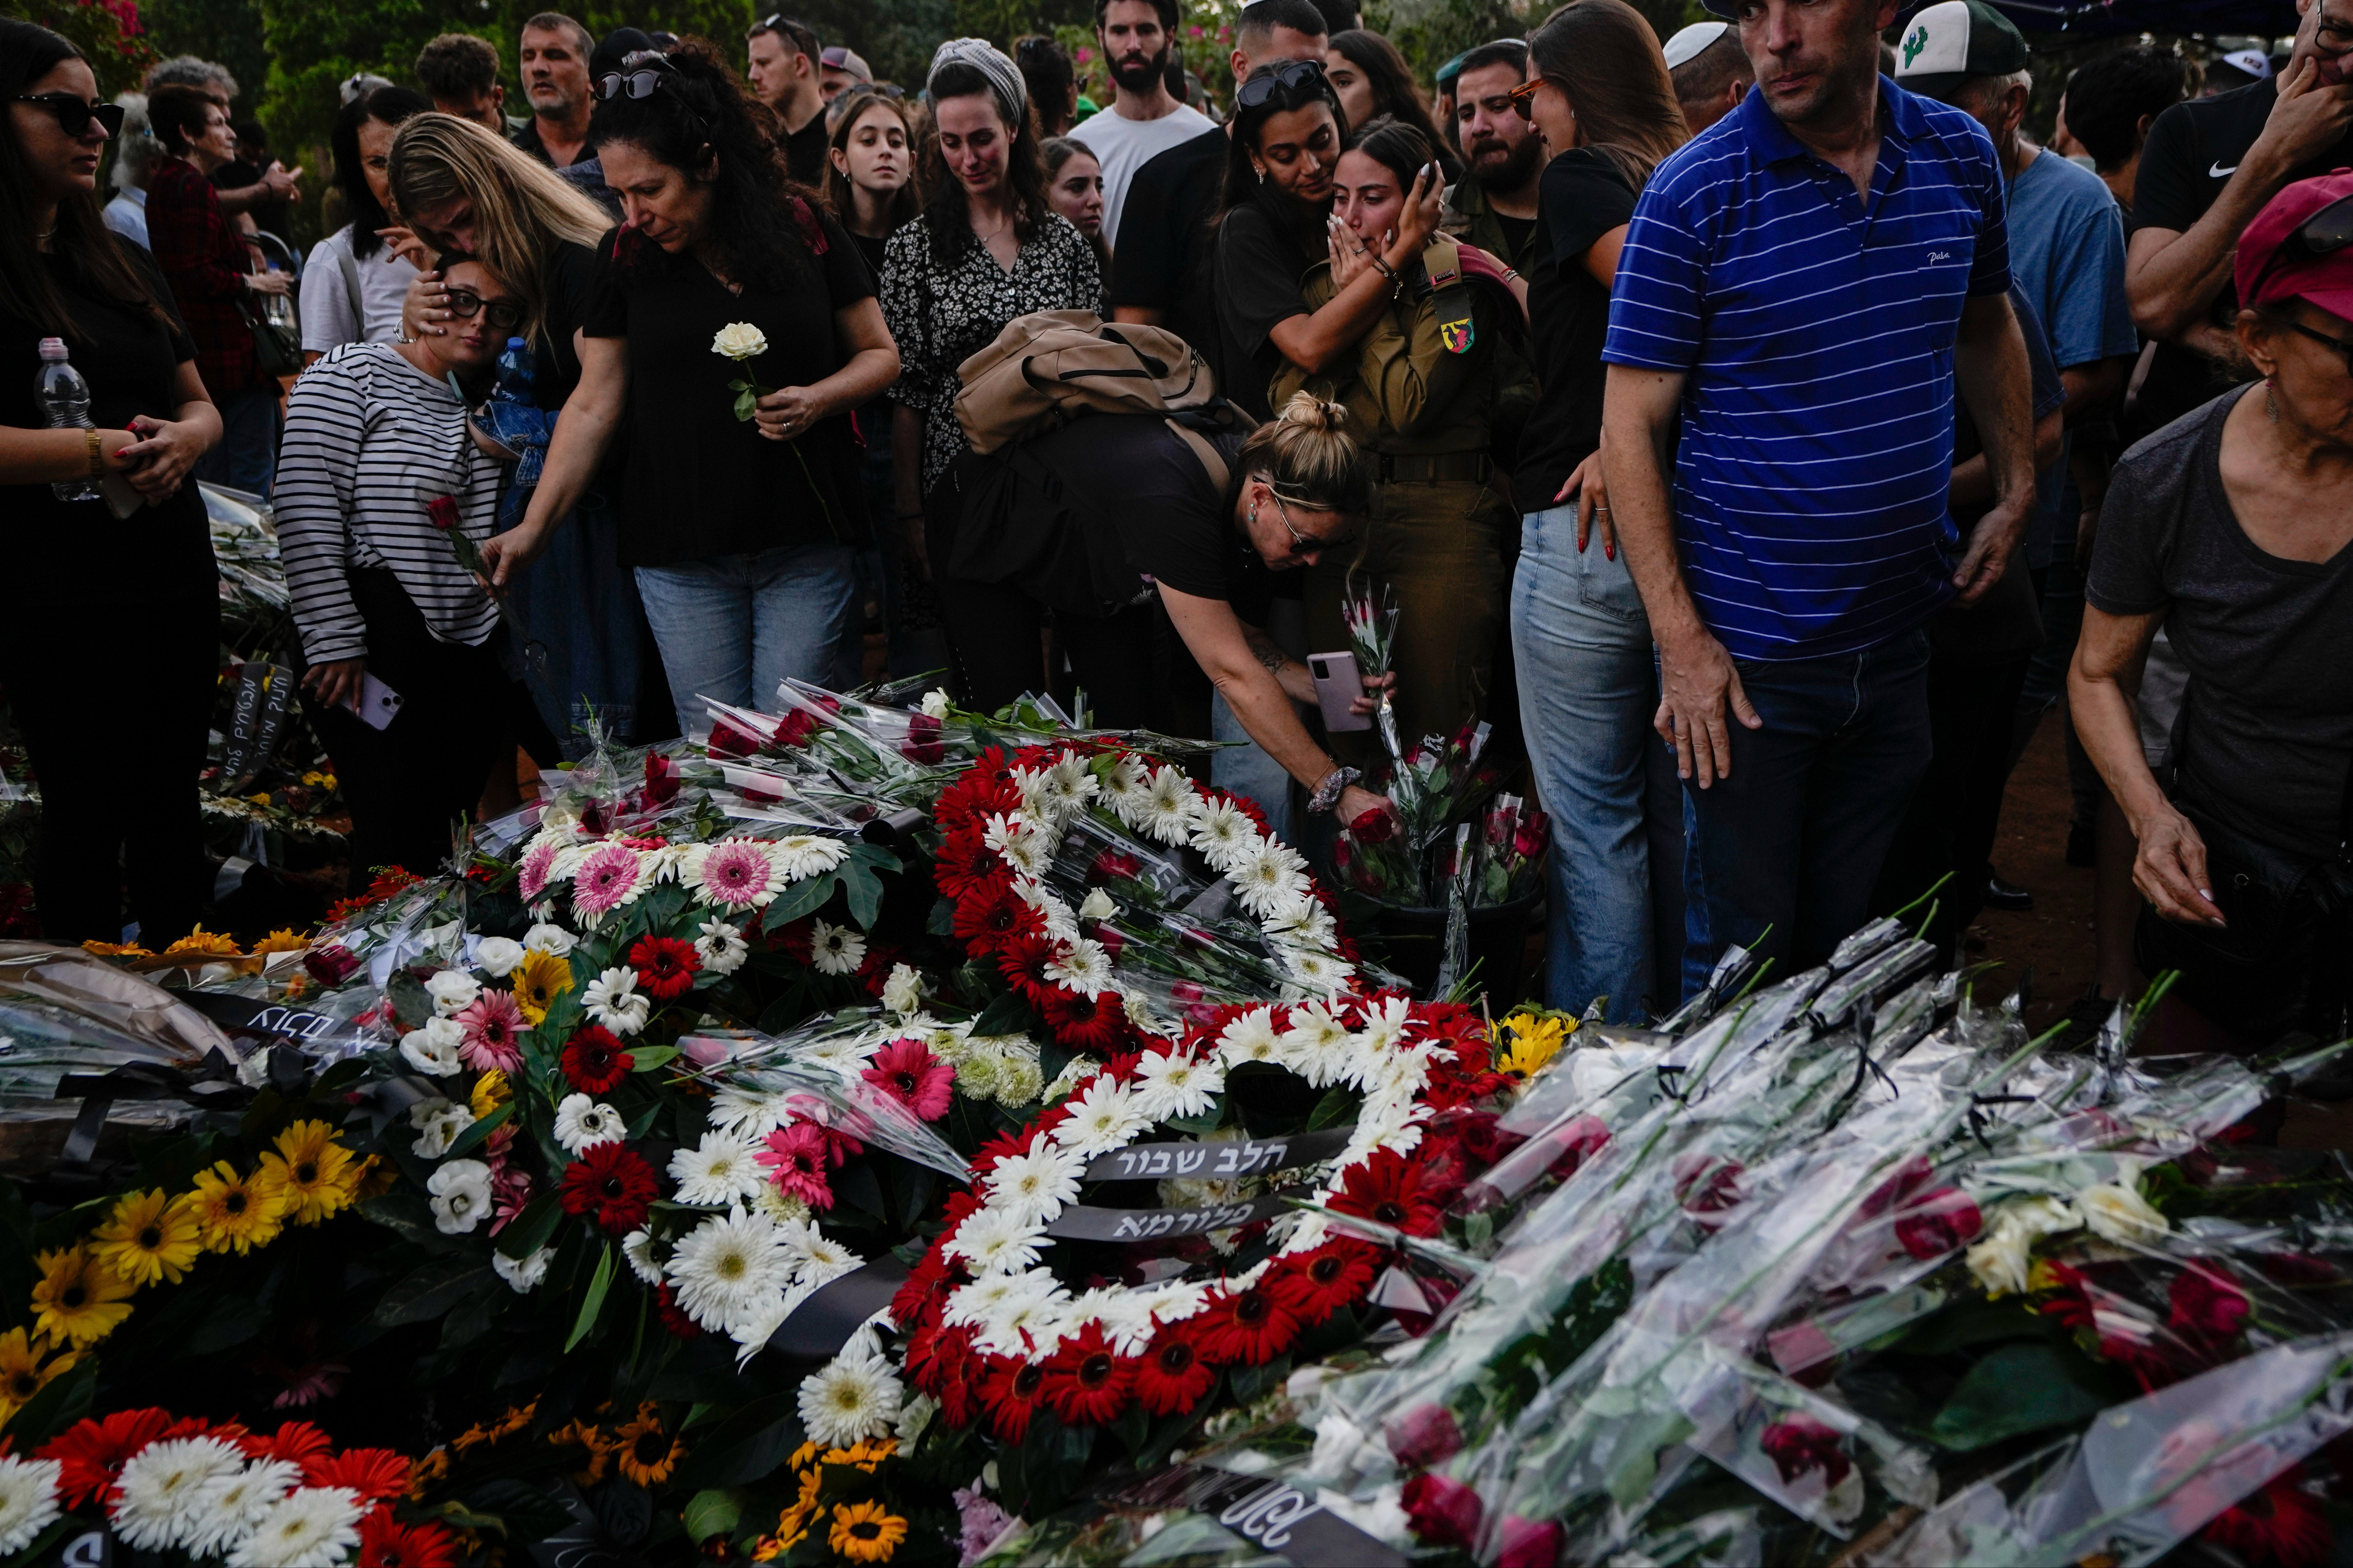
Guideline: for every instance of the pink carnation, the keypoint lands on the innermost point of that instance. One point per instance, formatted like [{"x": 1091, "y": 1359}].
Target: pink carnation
[
  {"x": 795, "y": 1159},
  {"x": 908, "y": 1072},
  {"x": 606, "y": 879},
  {"x": 531, "y": 876},
  {"x": 494, "y": 1026}
]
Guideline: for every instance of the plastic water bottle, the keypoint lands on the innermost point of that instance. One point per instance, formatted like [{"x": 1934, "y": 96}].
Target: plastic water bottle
[
  {"x": 64, "y": 397},
  {"x": 516, "y": 371}
]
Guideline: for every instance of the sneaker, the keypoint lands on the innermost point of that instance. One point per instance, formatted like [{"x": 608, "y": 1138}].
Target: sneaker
[{"x": 2009, "y": 896}]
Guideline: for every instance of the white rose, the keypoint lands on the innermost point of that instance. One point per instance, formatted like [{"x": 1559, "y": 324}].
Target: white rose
[
  {"x": 2000, "y": 1262},
  {"x": 2117, "y": 1212},
  {"x": 433, "y": 1049},
  {"x": 461, "y": 1196},
  {"x": 498, "y": 955},
  {"x": 903, "y": 992},
  {"x": 551, "y": 939},
  {"x": 935, "y": 703},
  {"x": 740, "y": 340},
  {"x": 1097, "y": 906},
  {"x": 522, "y": 1274},
  {"x": 453, "y": 991}
]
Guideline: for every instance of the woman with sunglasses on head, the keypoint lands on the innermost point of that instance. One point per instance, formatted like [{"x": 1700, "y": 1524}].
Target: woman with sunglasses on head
[
  {"x": 740, "y": 531},
  {"x": 2232, "y": 529},
  {"x": 1599, "y": 95},
  {"x": 108, "y": 627},
  {"x": 1423, "y": 390},
  {"x": 355, "y": 283},
  {"x": 987, "y": 249},
  {"x": 381, "y": 465},
  {"x": 459, "y": 188}
]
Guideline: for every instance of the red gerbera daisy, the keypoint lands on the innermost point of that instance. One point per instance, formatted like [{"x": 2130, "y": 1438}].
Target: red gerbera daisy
[
  {"x": 613, "y": 1184},
  {"x": 2281, "y": 1523},
  {"x": 917, "y": 1298},
  {"x": 673, "y": 1319},
  {"x": 1390, "y": 1190},
  {"x": 666, "y": 967},
  {"x": 968, "y": 867},
  {"x": 1097, "y": 1025},
  {"x": 797, "y": 1163},
  {"x": 386, "y": 1542},
  {"x": 908, "y": 1072},
  {"x": 1172, "y": 1376},
  {"x": 92, "y": 1453},
  {"x": 987, "y": 918},
  {"x": 1086, "y": 1383},
  {"x": 1023, "y": 961},
  {"x": 1011, "y": 1391},
  {"x": 373, "y": 1473},
  {"x": 1334, "y": 1276},
  {"x": 299, "y": 1441},
  {"x": 593, "y": 1062},
  {"x": 1249, "y": 1327}
]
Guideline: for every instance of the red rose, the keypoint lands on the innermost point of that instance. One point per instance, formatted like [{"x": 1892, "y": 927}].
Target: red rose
[
  {"x": 442, "y": 511},
  {"x": 1424, "y": 1436},
  {"x": 1797, "y": 1443},
  {"x": 1937, "y": 1222},
  {"x": 1443, "y": 1512},
  {"x": 1373, "y": 826}
]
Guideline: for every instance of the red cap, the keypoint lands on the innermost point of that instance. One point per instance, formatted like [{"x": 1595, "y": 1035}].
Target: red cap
[{"x": 2268, "y": 274}]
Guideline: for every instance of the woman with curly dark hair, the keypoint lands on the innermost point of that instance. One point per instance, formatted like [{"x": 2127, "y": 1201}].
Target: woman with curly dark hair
[
  {"x": 1373, "y": 80},
  {"x": 736, "y": 331}
]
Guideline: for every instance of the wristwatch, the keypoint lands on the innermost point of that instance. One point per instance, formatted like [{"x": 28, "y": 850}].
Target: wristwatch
[
  {"x": 96, "y": 455},
  {"x": 1328, "y": 788}
]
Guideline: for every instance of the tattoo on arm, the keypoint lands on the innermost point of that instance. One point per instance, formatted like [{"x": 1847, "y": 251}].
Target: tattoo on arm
[{"x": 1264, "y": 647}]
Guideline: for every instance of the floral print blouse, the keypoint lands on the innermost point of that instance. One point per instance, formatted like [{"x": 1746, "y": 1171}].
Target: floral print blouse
[{"x": 940, "y": 317}]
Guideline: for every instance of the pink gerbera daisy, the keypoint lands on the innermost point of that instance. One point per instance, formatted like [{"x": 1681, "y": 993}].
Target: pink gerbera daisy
[
  {"x": 494, "y": 1027},
  {"x": 531, "y": 876},
  {"x": 608, "y": 879},
  {"x": 795, "y": 1159},
  {"x": 740, "y": 873},
  {"x": 908, "y": 1072}
]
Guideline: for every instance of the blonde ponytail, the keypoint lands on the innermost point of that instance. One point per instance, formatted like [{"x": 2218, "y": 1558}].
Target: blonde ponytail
[{"x": 1306, "y": 454}]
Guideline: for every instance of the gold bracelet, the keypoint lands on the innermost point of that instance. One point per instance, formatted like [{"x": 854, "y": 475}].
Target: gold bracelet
[{"x": 97, "y": 456}]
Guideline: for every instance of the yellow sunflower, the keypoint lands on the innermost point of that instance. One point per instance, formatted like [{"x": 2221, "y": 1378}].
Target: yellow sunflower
[
  {"x": 1536, "y": 1040},
  {"x": 866, "y": 1454},
  {"x": 866, "y": 1532},
  {"x": 116, "y": 950},
  {"x": 22, "y": 1375},
  {"x": 793, "y": 1525},
  {"x": 202, "y": 942},
  {"x": 428, "y": 1473},
  {"x": 78, "y": 1299},
  {"x": 646, "y": 1454},
  {"x": 598, "y": 1446},
  {"x": 238, "y": 1213},
  {"x": 372, "y": 1176},
  {"x": 151, "y": 1236},
  {"x": 316, "y": 1170},
  {"x": 491, "y": 1091},
  {"x": 283, "y": 940},
  {"x": 539, "y": 980}
]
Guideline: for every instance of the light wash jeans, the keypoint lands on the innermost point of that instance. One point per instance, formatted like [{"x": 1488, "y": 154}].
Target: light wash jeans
[
  {"x": 1246, "y": 770},
  {"x": 1588, "y": 687},
  {"x": 734, "y": 626}
]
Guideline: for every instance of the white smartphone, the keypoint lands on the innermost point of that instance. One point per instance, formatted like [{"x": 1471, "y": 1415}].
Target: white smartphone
[
  {"x": 379, "y": 704},
  {"x": 1337, "y": 684}
]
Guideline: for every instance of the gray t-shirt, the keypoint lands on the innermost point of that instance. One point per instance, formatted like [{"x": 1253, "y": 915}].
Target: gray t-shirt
[{"x": 2268, "y": 643}]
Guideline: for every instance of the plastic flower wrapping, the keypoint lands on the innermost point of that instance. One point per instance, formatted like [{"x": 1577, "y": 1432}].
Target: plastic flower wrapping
[{"x": 883, "y": 1133}]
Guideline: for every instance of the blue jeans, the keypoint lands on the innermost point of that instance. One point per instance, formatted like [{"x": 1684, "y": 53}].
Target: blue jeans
[
  {"x": 247, "y": 457},
  {"x": 1793, "y": 838},
  {"x": 734, "y": 626},
  {"x": 578, "y": 615},
  {"x": 1588, "y": 686}
]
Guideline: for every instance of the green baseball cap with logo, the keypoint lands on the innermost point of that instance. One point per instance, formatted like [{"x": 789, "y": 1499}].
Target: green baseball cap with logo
[{"x": 1945, "y": 45}]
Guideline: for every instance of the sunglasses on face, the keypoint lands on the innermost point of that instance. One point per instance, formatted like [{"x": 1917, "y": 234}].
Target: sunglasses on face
[
  {"x": 504, "y": 315},
  {"x": 1523, "y": 98},
  {"x": 73, "y": 115},
  {"x": 1289, "y": 76}
]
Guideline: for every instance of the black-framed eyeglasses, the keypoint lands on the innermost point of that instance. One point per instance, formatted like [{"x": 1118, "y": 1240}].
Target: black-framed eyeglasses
[
  {"x": 73, "y": 115},
  {"x": 504, "y": 315},
  {"x": 2339, "y": 344},
  {"x": 1290, "y": 76},
  {"x": 1523, "y": 98}
]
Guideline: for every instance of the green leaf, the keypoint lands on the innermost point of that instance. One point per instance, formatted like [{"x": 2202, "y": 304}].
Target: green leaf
[
  {"x": 865, "y": 892},
  {"x": 1008, "y": 1014},
  {"x": 2018, "y": 1388},
  {"x": 750, "y": 1444},
  {"x": 594, "y": 1301},
  {"x": 746, "y": 404},
  {"x": 407, "y": 1215},
  {"x": 1134, "y": 1429},
  {"x": 943, "y": 919},
  {"x": 432, "y": 1289},
  {"x": 532, "y": 1226},
  {"x": 801, "y": 899},
  {"x": 645, "y": 1059},
  {"x": 474, "y": 1137},
  {"x": 1337, "y": 1106},
  {"x": 710, "y": 1513},
  {"x": 66, "y": 1399}
]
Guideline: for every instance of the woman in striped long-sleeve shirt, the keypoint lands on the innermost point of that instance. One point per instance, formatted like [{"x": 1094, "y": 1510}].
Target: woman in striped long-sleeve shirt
[{"x": 376, "y": 435}]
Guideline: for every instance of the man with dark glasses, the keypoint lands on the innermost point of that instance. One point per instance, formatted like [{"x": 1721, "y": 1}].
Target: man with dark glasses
[
  {"x": 2211, "y": 164},
  {"x": 785, "y": 74}
]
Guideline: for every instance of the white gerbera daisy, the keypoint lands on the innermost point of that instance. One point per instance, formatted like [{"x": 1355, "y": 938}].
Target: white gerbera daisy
[
  {"x": 311, "y": 1527},
  {"x": 550, "y": 938},
  {"x": 721, "y": 947},
  {"x": 1166, "y": 810},
  {"x": 903, "y": 993},
  {"x": 1384, "y": 1025},
  {"x": 453, "y": 991},
  {"x": 1019, "y": 843},
  {"x": 1316, "y": 973},
  {"x": 748, "y": 1112},
  {"x": 433, "y": 1049},
  {"x": 847, "y": 1400},
  {"x": 1083, "y": 965},
  {"x": 1069, "y": 786},
  {"x": 523, "y": 1274},
  {"x": 1126, "y": 1317},
  {"x": 497, "y": 956},
  {"x": 614, "y": 1000},
  {"x": 1267, "y": 876},
  {"x": 983, "y": 1299},
  {"x": 637, "y": 1248},
  {"x": 1028, "y": 1320},
  {"x": 161, "y": 1491},
  {"x": 438, "y": 1122},
  {"x": 461, "y": 1196},
  {"x": 1221, "y": 832},
  {"x": 728, "y": 1267},
  {"x": 996, "y": 1241},
  {"x": 805, "y": 855},
  {"x": 1316, "y": 1045},
  {"x": 1174, "y": 1084},
  {"x": 1034, "y": 1188},
  {"x": 782, "y": 1207},
  {"x": 1104, "y": 1118},
  {"x": 1306, "y": 924},
  {"x": 719, "y": 1173},
  {"x": 1123, "y": 787},
  {"x": 836, "y": 949},
  {"x": 28, "y": 1500},
  {"x": 231, "y": 1507},
  {"x": 582, "y": 1123},
  {"x": 1250, "y": 1038}
]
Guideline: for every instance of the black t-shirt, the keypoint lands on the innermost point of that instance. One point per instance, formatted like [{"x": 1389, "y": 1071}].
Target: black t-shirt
[
  {"x": 2193, "y": 148},
  {"x": 574, "y": 276},
  {"x": 75, "y": 552},
  {"x": 1516, "y": 234},
  {"x": 804, "y": 151},
  {"x": 1581, "y": 197},
  {"x": 700, "y": 482},
  {"x": 1263, "y": 251},
  {"x": 2267, "y": 734},
  {"x": 1162, "y": 257}
]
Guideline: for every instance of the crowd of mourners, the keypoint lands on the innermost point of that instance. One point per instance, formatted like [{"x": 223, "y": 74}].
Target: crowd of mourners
[{"x": 1755, "y": 428}]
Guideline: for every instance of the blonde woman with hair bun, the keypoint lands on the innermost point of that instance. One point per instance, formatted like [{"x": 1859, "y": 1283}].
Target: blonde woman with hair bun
[{"x": 1089, "y": 521}]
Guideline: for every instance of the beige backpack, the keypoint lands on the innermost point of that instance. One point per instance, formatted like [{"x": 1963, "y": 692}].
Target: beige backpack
[{"x": 1049, "y": 364}]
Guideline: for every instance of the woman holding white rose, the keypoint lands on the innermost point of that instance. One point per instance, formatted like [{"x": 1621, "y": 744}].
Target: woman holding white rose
[{"x": 737, "y": 329}]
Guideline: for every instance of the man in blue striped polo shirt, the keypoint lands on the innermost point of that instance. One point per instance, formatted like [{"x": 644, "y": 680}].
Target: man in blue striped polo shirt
[{"x": 1801, "y": 287}]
